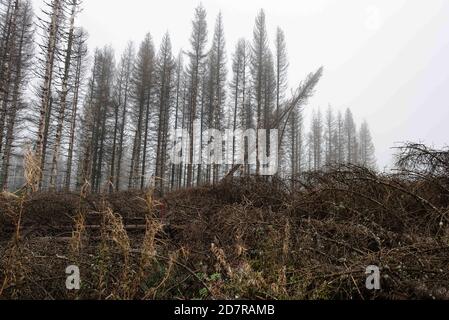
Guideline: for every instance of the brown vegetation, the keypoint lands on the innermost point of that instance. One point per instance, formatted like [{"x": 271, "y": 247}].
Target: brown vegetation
[{"x": 244, "y": 238}]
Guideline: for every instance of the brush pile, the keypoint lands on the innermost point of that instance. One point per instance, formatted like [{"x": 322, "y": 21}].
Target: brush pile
[{"x": 246, "y": 238}]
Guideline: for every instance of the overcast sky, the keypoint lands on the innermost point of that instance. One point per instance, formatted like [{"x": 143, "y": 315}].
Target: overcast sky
[{"x": 385, "y": 59}]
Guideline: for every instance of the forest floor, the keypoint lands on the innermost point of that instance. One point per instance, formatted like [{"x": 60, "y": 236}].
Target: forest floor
[{"x": 242, "y": 239}]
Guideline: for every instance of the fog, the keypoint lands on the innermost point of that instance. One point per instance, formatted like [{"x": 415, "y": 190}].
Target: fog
[{"x": 386, "y": 60}]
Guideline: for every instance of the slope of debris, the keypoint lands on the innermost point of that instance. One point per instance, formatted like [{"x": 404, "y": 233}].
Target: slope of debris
[{"x": 248, "y": 238}]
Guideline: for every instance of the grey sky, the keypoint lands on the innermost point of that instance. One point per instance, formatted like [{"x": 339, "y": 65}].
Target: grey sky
[{"x": 385, "y": 59}]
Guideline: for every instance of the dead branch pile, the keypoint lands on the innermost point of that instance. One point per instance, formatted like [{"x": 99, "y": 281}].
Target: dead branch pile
[{"x": 245, "y": 238}]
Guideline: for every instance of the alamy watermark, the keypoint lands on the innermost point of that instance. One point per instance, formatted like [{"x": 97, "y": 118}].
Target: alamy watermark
[
  {"x": 373, "y": 278},
  {"x": 73, "y": 280},
  {"x": 214, "y": 147}
]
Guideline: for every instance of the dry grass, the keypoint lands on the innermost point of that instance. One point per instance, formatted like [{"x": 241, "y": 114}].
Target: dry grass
[{"x": 245, "y": 238}]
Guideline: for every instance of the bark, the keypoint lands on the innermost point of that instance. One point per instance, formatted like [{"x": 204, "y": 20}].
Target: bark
[
  {"x": 6, "y": 65},
  {"x": 46, "y": 87},
  {"x": 122, "y": 135},
  {"x": 13, "y": 110},
  {"x": 63, "y": 100},
  {"x": 68, "y": 177}
]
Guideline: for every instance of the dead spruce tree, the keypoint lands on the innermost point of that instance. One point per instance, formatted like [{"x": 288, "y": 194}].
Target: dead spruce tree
[
  {"x": 175, "y": 178},
  {"x": 73, "y": 6},
  {"x": 122, "y": 93},
  {"x": 79, "y": 70},
  {"x": 49, "y": 53},
  {"x": 260, "y": 59},
  {"x": 96, "y": 121},
  {"x": 216, "y": 91},
  {"x": 367, "y": 156},
  {"x": 339, "y": 138},
  {"x": 316, "y": 142},
  {"x": 297, "y": 143},
  {"x": 20, "y": 62},
  {"x": 165, "y": 71},
  {"x": 281, "y": 69},
  {"x": 239, "y": 90},
  {"x": 142, "y": 95},
  {"x": 329, "y": 137},
  {"x": 10, "y": 16},
  {"x": 195, "y": 69},
  {"x": 350, "y": 136}
]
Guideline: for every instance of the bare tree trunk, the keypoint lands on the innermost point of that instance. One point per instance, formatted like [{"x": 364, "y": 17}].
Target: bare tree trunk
[
  {"x": 136, "y": 151},
  {"x": 145, "y": 141},
  {"x": 99, "y": 170},
  {"x": 11, "y": 123},
  {"x": 68, "y": 177},
  {"x": 46, "y": 87},
  {"x": 10, "y": 135},
  {"x": 200, "y": 167},
  {"x": 114, "y": 148},
  {"x": 178, "y": 93},
  {"x": 45, "y": 141},
  {"x": 181, "y": 179},
  {"x": 193, "y": 104},
  {"x": 121, "y": 141},
  {"x": 114, "y": 179},
  {"x": 5, "y": 67},
  {"x": 63, "y": 101}
]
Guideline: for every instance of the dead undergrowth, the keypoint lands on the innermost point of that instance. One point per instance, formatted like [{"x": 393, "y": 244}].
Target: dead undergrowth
[{"x": 243, "y": 239}]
